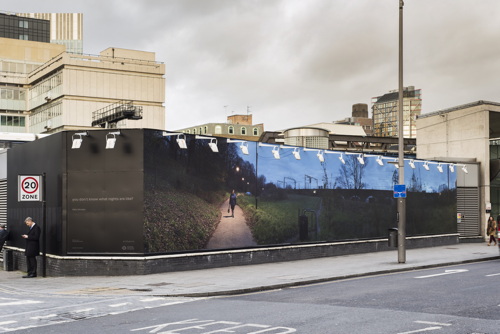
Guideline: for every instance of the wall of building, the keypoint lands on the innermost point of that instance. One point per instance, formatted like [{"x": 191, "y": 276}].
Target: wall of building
[
  {"x": 28, "y": 51},
  {"x": 65, "y": 28},
  {"x": 460, "y": 132},
  {"x": 68, "y": 88}
]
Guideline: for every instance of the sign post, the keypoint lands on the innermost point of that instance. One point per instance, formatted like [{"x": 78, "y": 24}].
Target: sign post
[
  {"x": 399, "y": 191},
  {"x": 32, "y": 189}
]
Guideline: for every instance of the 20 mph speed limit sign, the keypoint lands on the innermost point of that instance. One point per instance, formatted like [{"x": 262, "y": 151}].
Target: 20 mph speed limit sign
[{"x": 30, "y": 188}]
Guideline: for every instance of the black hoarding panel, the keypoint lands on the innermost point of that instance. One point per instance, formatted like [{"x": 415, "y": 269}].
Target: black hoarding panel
[
  {"x": 44, "y": 155},
  {"x": 105, "y": 195}
]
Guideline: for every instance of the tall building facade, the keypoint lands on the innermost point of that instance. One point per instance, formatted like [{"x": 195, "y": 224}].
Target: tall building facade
[
  {"x": 64, "y": 28},
  {"x": 24, "y": 28},
  {"x": 385, "y": 113},
  {"x": 48, "y": 85}
]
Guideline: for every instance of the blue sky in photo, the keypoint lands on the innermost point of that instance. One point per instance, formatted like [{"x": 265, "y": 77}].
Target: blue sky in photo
[{"x": 310, "y": 173}]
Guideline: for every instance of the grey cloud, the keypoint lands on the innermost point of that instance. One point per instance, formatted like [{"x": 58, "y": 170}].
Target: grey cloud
[{"x": 298, "y": 62}]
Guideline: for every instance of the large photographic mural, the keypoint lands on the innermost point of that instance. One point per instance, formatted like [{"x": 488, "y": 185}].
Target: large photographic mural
[{"x": 284, "y": 195}]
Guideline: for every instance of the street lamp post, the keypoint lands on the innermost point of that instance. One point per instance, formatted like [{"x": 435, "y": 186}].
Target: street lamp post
[{"x": 401, "y": 200}]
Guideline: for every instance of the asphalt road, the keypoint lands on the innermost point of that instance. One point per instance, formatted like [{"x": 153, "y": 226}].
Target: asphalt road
[{"x": 458, "y": 299}]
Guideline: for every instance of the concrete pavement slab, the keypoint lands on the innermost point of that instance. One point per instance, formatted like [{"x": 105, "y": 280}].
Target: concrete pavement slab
[{"x": 251, "y": 278}]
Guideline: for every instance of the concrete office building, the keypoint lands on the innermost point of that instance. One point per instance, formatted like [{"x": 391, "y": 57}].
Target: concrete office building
[
  {"x": 46, "y": 90},
  {"x": 385, "y": 113},
  {"x": 47, "y": 85},
  {"x": 468, "y": 133},
  {"x": 64, "y": 28}
]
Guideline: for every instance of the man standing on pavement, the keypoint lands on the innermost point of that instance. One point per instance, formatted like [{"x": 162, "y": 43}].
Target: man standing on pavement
[
  {"x": 4, "y": 235},
  {"x": 32, "y": 246}
]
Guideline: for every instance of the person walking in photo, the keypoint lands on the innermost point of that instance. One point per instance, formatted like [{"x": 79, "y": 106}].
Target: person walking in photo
[
  {"x": 232, "y": 202},
  {"x": 492, "y": 230},
  {"x": 32, "y": 249}
]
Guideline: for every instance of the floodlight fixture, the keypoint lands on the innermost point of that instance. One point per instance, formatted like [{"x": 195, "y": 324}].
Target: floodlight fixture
[
  {"x": 464, "y": 168},
  {"x": 426, "y": 165},
  {"x": 77, "y": 142},
  {"x": 452, "y": 168},
  {"x": 276, "y": 152},
  {"x": 440, "y": 167},
  {"x": 321, "y": 156},
  {"x": 181, "y": 141},
  {"x": 412, "y": 163},
  {"x": 396, "y": 163},
  {"x": 111, "y": 139},
  {"x": 341, "y": 158},
  {"x": 181, "y": 138},
  {"x": 212, "y": 144},
  {"x": 296, "y": 153},
  {"x": 360, "y": 159},
  {"x": 243, "y": 146},
  {"x": 380, "y": 161}
]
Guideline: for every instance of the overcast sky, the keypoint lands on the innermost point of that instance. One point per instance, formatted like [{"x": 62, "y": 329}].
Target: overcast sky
[{"x": 297, "y": 62}]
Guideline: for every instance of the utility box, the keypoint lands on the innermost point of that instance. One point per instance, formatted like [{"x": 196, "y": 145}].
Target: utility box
[{"x": 393, "y": 237}]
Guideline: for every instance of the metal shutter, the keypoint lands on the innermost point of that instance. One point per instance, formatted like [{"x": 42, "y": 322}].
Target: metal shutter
[
  {"x": 468, "y": 206},
  {"x": 3, "y": 201}
]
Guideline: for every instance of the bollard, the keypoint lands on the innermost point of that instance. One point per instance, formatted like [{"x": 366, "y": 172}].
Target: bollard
[{"x": 8, "y": 260}]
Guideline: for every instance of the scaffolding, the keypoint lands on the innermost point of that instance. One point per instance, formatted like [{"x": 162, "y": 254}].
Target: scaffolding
[{"x": 110, "y": 115}]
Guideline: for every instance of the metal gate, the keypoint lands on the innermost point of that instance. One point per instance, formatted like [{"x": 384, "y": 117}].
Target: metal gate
[{"x": 468, "y": 207}]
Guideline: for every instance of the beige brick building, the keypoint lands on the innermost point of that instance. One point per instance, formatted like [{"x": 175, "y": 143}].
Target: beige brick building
[{"x": 47, "y": 89}]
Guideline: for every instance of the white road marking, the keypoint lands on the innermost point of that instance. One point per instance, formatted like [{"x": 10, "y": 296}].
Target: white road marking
[
  {"x": 173, "y": 303},
  {"x": 446, "y": 272},
  {"x": 7, "y": 322},
  {"x": 493, "y": 275},
  {"x": 431, "y": 323},
  {"x": 44, "y": 316},
  {"x": 422, "y": 330},
  {"x": 152, "y": 299},
  {"x": 84, "y": 310},
  {"x": 21, "y": 302},
  {"x": 118, "y": 305}
]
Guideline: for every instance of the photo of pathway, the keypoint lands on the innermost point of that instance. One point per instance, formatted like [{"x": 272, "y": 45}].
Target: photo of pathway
[{"x": 231, "y": 232}]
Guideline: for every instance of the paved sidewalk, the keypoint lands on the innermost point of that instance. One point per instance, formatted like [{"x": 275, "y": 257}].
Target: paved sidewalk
[{"x": 251, "y": 278}]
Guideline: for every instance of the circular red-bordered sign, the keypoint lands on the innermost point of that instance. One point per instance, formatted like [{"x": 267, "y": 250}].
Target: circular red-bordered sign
[{"x": 29, "y": 185}]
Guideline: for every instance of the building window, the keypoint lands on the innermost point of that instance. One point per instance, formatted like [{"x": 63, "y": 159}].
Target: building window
[
  {"x": 243, "y": 131},
  {"x": 218, "y": 129},
  {"x": 255, "y": 131},
  {"x": 230, "y": 130},
  {"x": 187, "y": 131},
  {"x": 23, "y": 24},
  {"x": 194, "y": 131},
  {"x": 23, "y": 37},
  {"x": 18, "y": 121},
  {"x": 205, "y": 130}
]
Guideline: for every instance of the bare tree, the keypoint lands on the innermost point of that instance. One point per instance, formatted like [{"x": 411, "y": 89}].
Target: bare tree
[{"x": 351, "y": 174}]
